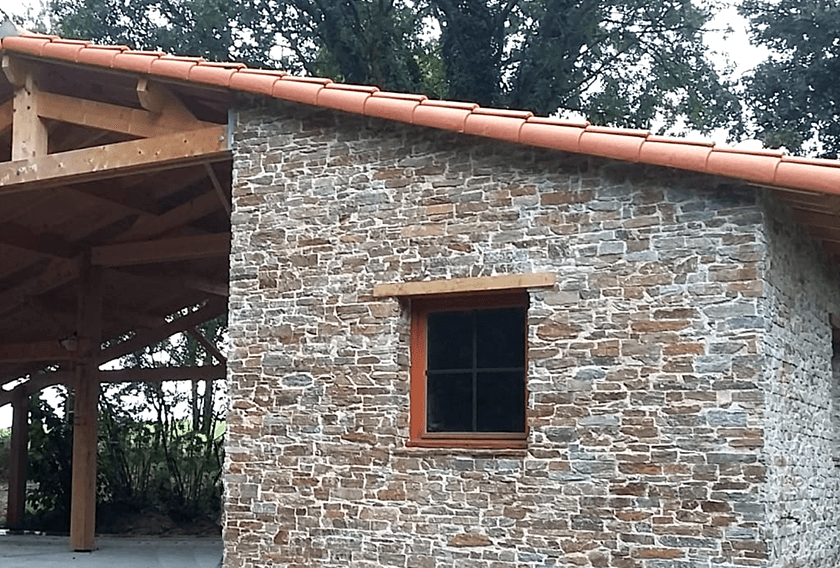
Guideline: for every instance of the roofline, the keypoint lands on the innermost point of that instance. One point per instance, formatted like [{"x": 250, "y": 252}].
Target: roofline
[{"x": 762, "y": 167}]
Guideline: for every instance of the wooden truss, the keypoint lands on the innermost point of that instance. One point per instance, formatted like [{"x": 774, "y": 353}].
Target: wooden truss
[{"x": 114, "y": 215}]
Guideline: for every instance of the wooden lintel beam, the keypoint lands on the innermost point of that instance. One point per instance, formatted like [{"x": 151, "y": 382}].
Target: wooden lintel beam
[
  {"x": 43, "y": 243},
  {"x": 35, "y": 384},
  {"x": 162, "y": 250},
  {"x": 148, "y": 154},
  {"x": 161, "y": 374},
  {"x": 455, "y": 285},
  {"x": 143, "y": 338},
  {"x": 46, "y": 351},
  {"x": 114, "y": 118}
]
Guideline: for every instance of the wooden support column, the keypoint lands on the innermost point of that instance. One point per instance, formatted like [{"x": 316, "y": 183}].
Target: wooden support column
[
  {"x": 29, "y": 133},
  {"x": 17, "y": 459},
  {"x": 86, "y": 386}
]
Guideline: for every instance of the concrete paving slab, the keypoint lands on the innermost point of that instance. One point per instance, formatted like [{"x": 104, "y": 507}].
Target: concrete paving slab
[{"x": 39, "y": 551}]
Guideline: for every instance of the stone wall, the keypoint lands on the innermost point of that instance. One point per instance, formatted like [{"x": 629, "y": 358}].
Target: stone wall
[
  {"x": 802, "y": 493},
  {"x": 645, "y": 403}
]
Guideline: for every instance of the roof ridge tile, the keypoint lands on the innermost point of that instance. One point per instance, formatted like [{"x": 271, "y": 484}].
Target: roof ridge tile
[{"x": 768, "y": 167}]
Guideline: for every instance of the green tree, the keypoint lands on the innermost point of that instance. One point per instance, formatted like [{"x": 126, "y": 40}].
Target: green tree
[
  {"x": 795, "y": 94},
  {"x": 623, "y": 63}
]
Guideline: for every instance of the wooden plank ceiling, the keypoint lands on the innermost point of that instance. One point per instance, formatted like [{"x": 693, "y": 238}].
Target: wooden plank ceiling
[{"x": 115, "y": 171}]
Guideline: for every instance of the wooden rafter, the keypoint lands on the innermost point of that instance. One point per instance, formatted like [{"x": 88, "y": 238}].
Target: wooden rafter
[
  {"x": 149, "y": 154},
  {"x": 115, "y": 118},
  {"x": 162, "y": 250},
  {"x": 207, "y": 344},
  {"x": 42, "y": 243},
  {"x": 149, "y": 226},
  {"x": 57, "y": 273},
  {"x": 143, "y": 338},
  {"x": 46, "y": 351}
]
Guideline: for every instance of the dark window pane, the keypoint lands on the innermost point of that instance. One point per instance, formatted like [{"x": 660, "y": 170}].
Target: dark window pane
[
  {"x": 501, "y": 402},
  {"x": 501, "y": 338},
  {"x": 449, "y": 340},
  {"x": 449, "y": 402}
]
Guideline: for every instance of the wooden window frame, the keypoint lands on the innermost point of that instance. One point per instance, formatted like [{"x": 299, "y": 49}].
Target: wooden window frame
[{"x": 420, "y": 308}]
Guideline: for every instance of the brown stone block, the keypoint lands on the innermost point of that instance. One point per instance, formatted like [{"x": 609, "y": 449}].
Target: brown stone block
[
  {"x": 685, "y": 349},
  {"x": 720, "y": 274},
  {"x": 658, "y": 553},
  {"x": 463, "y": 540},
  {"x": 638, "y": 489},
  {"x": 566, "y": 197},
  {"x": 640, "y": 468},
  {"x": 632, "y": 516},
  {"x": 441, "y": 209},
  {"x": 659, "y": 325},
  {"x": 555, "y": 331},
  {"x": 422, "y": 230}
]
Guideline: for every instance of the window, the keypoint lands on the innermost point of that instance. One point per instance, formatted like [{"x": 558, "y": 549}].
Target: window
[{"x": 468, "y": 370}]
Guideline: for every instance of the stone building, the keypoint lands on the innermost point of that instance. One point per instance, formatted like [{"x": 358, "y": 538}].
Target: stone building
[{"x": 472, "y": 337}]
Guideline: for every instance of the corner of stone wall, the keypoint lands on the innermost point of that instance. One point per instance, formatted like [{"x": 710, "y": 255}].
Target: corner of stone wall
[{"x": 801, "y": 492}]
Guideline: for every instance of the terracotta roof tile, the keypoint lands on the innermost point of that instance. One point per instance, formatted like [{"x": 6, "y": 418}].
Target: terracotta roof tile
[
  {"x": 29, "y": 45},
  {"x": 175, "y": 67},
  {"x": 762, "y": 167},
  {"x": 256, "y": 81},
  {"x": 756, "y": 166},
  {"x": 98, "y": 55},
  {"x": 551, "y": 133},
  {"x": 621, "y": 144},
  {"x": 63, "y": 49},
  {"x": 812, "y": 174},
  {"x": 393, "y": 106},
  {"x": 136, "y": 61},
  {"x": 217, "y": 74},
  {"x": 300, "y": 89},
  {"x": 675, "y": 153},
  {"x": 349, "y": 98},
  {"x": 446, "y": 115}
]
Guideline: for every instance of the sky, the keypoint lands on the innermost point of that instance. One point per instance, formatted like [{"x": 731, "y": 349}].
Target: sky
[{"x": 735, "y": 46}]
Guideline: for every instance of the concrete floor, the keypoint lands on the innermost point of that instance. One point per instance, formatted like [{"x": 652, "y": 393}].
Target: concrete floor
[{"x": 37, "y": 551}]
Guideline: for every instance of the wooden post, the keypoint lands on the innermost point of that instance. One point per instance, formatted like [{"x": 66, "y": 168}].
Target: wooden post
[
  {"x": 86, "y": 385},
  {"x": 29, "y": 132},
  {"x": 17, "y": 459}
]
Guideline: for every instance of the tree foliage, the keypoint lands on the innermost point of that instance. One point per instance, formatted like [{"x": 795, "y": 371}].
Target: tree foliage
[
  {"x": 795, "y": 93},
  {"x": 159, "y": 449},
  {"x": 622, "y": 63}
]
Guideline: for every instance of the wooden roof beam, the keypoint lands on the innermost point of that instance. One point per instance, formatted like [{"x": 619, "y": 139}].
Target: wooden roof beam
[
  {"x": 149, "y": 154},
  {"x": 59, "y": 272},
  {"x": 46, "y": 351},
  {"x": 157, "y": 375},
  {"x": 143, "y": 338},
  {"x": 114, "y": 118},
  {"x": 44, "y": 243},
  {"x": 162, "y": 250},
  {"x": 149, "y": 226}
]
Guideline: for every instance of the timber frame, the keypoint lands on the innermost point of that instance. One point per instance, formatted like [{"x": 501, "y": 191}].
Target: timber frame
[{"x": 114, "y": 230}]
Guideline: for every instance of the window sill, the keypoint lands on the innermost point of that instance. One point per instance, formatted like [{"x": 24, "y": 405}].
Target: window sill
[{"x": 470, "y": 443}]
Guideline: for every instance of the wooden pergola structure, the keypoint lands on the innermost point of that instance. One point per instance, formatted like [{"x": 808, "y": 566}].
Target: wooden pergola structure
[{"x": 114, "y": 215}]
